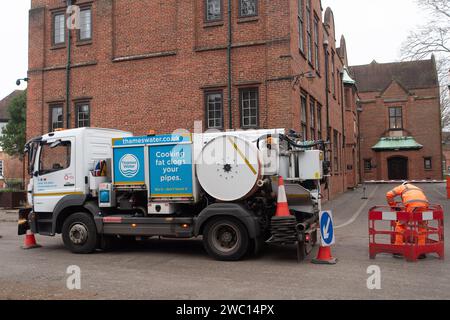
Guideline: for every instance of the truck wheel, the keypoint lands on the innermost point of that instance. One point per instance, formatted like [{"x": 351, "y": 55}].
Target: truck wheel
[
  {"x": 225, "y": 239},
  {"x": 79, "y": 233}
]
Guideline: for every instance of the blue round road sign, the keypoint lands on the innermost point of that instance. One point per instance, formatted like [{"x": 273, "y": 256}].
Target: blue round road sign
[{"x": 326, "y": 228}]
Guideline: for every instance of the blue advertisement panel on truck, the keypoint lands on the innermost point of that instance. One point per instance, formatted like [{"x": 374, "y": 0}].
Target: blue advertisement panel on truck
[{"x": 163, "y": 163}]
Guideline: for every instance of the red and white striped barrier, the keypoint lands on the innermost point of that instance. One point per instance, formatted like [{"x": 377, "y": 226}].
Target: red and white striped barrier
[
  {"x": 402, "y": 215},
  {"x": 383, "y": 240}
]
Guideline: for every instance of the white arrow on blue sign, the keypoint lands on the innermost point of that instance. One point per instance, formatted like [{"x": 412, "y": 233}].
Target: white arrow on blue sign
[{"x": 326, "y": 228}]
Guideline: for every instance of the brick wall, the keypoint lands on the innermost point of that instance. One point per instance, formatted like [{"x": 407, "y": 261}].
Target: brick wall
[
  {"x": 12, "y": 169},
  {"x": 150, "y": 62}
]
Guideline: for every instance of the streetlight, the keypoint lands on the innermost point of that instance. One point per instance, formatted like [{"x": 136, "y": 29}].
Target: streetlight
[
  {"x": 19, "y": 81},
  {"x": 307, "y": 75}
]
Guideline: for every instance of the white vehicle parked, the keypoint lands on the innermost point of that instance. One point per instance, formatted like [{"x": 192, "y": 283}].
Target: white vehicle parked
[{"x": 96, "y": 185}]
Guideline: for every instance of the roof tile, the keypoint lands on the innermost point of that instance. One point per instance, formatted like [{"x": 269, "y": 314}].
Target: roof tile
[{"x": 375, "y": 77}]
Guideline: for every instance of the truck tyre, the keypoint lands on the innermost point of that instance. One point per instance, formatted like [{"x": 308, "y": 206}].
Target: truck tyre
[
  {"x": 79, "y": 233},
  {"x": 225, "y": 239}
]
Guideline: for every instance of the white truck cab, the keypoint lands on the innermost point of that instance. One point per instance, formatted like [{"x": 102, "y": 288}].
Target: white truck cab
[{"x": 60, "y": 163}]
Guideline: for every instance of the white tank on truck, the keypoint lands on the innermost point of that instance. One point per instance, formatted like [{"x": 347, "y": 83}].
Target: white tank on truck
[{"x": 95, "y": 186}]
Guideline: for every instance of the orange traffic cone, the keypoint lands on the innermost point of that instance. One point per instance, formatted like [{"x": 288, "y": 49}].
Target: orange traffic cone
[
  {"x": 324, "y": 256},
  {"x": 282, "y": 204},
  {"x": 30, "y": 241}
]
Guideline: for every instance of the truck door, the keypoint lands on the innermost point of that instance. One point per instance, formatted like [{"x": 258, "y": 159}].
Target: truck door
[{"x": 54, "y": 175}]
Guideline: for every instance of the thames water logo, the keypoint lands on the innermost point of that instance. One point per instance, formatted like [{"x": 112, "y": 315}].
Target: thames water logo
[{"x": 129, "y": 166}]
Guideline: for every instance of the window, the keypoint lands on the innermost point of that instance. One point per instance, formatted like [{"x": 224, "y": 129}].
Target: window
[
  {"x": 59, "y": 20},
  {"x": 312, "y": 137},
  {"x": 303, "y": 115},
  {"x": 336, "y": 150},
  {"x": 301, "y": 36},
  {"x": 312, "y": 115},
  {"x": 367, "y": 165},
  {"x": 348, "y": 100},
  {"x": 56, "y": 117},
  {"x": 83, "y": 115},
  {"x": 85, "y": 32},
  {"x": 214, "y": 110},
  {"x": 428, "y": 164},
  {"x": 213, "y": 10},
  {"x": 1, "y": 170},
  {"x": 54, "y": 158},
  {"x": 319, "y": 121},
  {"x": 308, "y": 30},
  {"x": 248, "y": 100},
  {"x": 333, "y": 75},
  {"x": 316, "y": 44},
  {"x": 2, "y": 127},
  {"x": 395, "y": 118},
  {"x": 248, "y": 8}
]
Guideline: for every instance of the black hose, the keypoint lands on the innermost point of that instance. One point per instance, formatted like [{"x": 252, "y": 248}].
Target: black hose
[
  {"x": 301, "y": 146},
  {"x": 292, "y": 142}
]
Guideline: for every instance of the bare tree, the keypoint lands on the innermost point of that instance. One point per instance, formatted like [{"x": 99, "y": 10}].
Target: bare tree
[{"x": 433, "y": 37}]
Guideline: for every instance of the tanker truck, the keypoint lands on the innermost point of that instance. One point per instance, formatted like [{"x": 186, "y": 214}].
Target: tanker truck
[{"x": 95, "y": 186}]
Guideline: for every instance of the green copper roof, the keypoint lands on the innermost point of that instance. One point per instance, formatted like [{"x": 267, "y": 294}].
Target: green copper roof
[
  {"x": 347, "y": 79},
  {"x": 397, "y": 143}
]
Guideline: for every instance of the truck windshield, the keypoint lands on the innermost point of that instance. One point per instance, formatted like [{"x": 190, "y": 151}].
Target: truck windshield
[{"x": 54, "y": 158}]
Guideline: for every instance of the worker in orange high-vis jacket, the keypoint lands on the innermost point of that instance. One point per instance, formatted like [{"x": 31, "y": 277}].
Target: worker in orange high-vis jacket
[{"x": 414, "y": 200}]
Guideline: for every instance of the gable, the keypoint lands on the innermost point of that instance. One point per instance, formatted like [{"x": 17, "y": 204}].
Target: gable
[{"x": 395, "y": 90}]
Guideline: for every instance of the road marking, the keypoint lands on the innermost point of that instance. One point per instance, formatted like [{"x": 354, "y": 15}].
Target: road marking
[
  {"x": 357, "y": 213},
  {"x": 442, "y": 194}
]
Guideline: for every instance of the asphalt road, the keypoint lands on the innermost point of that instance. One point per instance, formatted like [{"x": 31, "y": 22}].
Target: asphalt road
[{"x": 174, "y": 269}]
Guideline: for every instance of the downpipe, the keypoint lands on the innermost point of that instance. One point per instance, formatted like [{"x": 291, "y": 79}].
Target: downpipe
[
  {"x": 68, "y": 67},
  {"x": 230, "y": 81}
]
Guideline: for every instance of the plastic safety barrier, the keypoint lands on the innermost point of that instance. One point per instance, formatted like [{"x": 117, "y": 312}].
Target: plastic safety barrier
[{"x": 382, "y": 236}]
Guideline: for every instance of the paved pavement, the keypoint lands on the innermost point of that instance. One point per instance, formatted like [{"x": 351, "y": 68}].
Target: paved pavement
[{"x": 174, "y": 269}]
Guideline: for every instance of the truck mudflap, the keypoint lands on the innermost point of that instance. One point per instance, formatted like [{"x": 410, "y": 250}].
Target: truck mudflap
[{"x": 22, "y": 223}]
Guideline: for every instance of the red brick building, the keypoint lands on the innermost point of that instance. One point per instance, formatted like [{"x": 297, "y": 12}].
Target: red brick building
[
  {"x": 11, "y": 168},
  {"x": 140, "y": 65},
  {"x": 400, "y": 120}
]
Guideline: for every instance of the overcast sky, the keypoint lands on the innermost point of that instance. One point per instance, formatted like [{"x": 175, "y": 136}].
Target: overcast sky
[
  {"x": 373, "y": 30},
  {"x": 14, "y": 43}
]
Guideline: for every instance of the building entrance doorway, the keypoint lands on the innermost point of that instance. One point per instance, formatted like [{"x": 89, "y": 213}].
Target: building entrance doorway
[{"x": 398, "y": 168}]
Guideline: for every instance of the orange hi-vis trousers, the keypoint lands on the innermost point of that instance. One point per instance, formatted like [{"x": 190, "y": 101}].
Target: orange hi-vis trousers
[{"x": 400, "y": 229}]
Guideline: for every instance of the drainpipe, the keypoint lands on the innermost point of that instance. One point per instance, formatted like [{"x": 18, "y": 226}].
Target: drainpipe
[
  {"x": 327, "y": 87},
  {"x": 327, "y": 103},
  {"x": 230, "y": 40},
  {"x": 343, "y": 112},
  {"x": 68, "y": 67},
  {"x": 360, "y": 167},
  {"x": 344, "y": 148}
]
